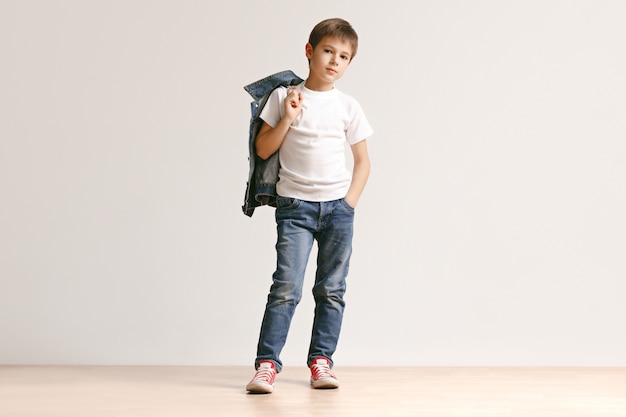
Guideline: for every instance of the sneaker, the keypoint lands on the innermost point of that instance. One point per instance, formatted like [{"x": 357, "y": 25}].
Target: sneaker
[
  {"x": 321, "y": 375},
  {"x": 263, "y": 380}
]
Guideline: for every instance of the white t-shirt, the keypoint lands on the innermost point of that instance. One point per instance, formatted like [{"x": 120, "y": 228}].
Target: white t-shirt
[{"x": 312, "y": 156}]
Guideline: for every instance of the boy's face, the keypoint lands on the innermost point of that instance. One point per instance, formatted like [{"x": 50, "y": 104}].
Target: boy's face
[{"x": 328, "y": 61}]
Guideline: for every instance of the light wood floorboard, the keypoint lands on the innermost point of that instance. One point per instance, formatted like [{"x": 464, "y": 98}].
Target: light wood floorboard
[{"x": 85, "y": 391}]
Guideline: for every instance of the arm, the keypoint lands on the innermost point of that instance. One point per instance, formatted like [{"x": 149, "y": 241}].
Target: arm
[
  {"x": 270, "y": 138},
  {"x": 360, "y": 172}
]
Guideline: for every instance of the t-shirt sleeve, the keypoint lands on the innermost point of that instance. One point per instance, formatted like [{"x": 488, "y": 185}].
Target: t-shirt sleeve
[
  {"x": 273, "y": 110},
  {"x": 359, "y": 128}
]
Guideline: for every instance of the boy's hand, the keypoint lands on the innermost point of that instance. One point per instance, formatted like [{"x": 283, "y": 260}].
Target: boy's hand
[{"x": 293, "y": 103}]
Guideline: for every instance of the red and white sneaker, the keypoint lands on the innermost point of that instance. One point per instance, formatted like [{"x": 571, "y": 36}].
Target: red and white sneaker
[
  {"x": 263, "y": 380},
  {"x": 321, "y": 375}
]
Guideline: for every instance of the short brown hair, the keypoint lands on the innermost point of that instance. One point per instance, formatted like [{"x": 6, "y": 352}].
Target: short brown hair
[{"x": 335, "y": 27}]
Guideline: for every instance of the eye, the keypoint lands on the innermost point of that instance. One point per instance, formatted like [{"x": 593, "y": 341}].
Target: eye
[
  {"x": 328, "y": 51},
  {"x": 344, "y": 57}
]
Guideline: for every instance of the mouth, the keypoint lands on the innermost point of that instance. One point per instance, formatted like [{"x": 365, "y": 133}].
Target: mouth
[{"x": 331, "y": 70}]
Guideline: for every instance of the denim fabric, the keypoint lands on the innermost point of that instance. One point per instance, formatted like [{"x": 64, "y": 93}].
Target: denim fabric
[
  {"x": 263, "y": 174},
  {"x": 299, "y": 224}
]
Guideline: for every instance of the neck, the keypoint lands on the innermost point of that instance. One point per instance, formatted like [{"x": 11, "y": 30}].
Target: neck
[{"x": 317, "y": 85}]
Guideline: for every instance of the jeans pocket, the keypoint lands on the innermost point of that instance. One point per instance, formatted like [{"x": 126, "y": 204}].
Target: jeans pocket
[
  {"x": 346, "y": 205},
  {"x": 287, "y": 203}
]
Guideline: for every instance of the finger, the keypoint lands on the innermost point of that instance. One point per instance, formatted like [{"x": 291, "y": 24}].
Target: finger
[{"x": 293, "y": 97}]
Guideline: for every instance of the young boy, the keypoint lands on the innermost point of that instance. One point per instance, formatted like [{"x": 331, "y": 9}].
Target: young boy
[{"x": 317, "y": 195}]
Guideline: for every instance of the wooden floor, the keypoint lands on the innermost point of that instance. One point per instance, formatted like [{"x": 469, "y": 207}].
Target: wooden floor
[{"x": 372, "y": 391}]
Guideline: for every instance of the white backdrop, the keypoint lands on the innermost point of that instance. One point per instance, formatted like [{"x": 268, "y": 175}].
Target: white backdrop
[{"x": 492, "y": 231}]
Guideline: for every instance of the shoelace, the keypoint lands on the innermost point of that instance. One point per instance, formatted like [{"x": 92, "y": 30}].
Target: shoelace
[
  {"x": 264, "y": 375},
  {"x": 322, "y": 372}
]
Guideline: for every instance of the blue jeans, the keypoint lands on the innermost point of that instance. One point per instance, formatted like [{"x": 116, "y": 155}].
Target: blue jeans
[{"x": 299, "y": 223}]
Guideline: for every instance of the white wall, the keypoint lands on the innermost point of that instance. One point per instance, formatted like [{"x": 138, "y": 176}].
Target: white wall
[{"x": 492, "y": 231}]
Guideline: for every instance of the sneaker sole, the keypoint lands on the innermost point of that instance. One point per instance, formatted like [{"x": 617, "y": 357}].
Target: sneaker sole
[
  {"x": 327, "y": 383},
  {"x": 259, "y": 388}
]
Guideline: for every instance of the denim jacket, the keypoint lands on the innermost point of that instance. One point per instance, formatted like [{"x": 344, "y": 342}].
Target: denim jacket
[{"x": 263, "y": 175}]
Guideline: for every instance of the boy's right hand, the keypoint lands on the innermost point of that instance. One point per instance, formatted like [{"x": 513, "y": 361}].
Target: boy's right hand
[
  {"x": 293, "y": 103},
  {"x": 269, "y": 139}
]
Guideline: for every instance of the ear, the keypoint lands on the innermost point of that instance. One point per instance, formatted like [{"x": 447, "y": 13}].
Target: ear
[{"x": 309, "y": 51}]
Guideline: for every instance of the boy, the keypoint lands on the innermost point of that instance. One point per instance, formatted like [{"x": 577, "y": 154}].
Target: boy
[{"x": 310, "y": 124}]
